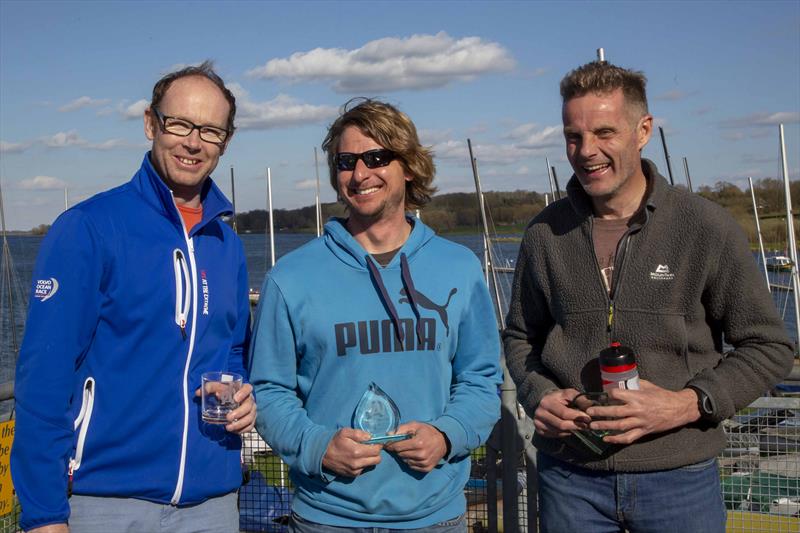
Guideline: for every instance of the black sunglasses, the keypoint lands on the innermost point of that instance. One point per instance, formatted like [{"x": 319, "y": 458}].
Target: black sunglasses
[{"x": 372, "y": 158}]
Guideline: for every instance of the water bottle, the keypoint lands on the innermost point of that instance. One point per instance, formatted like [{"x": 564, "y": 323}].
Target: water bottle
[{"x": 618, "y": 368}]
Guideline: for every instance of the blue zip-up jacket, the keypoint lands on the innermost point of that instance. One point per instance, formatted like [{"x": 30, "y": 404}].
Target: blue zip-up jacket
[
  {"x": 326, "y": 327},
  {"x": 126, "y": 312}
]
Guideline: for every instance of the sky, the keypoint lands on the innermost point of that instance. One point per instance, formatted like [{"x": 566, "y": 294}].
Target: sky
[{"x": 75, "y": 78}]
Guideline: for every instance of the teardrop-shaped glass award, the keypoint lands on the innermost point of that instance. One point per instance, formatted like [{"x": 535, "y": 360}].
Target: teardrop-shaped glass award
[{"x": 378, "y": 415}]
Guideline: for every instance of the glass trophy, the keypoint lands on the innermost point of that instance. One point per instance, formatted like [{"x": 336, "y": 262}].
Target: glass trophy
[{"x": 378, "y": 415}]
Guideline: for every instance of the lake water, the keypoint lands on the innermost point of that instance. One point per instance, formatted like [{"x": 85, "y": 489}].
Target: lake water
[{"x": 24, "y": 249}]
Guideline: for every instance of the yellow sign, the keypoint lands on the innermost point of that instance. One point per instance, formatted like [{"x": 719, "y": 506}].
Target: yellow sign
[{"x": 6, "y": 489}]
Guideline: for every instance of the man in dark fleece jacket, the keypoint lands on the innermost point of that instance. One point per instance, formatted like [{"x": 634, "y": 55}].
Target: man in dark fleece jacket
[{"x": 627, "y": 258}]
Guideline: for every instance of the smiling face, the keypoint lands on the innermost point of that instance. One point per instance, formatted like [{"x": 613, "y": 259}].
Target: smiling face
[
  {"x": 604, "y": 138},
  {"x": 371, "y": 194},
  {"x": 185, "y": 162}
]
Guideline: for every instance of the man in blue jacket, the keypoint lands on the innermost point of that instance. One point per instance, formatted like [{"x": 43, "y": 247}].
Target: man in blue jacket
[
  {"x": 138, "y": 291},
  {"x": 378, "y": 299}
]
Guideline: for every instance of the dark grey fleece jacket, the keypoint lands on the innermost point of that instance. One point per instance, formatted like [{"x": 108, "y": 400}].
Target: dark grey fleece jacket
[{"x": 684, "y": 280}]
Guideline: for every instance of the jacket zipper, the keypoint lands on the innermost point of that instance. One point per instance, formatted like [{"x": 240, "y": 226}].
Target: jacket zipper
[
  {"x": 83, "y": 419},
  {"x": 176, "y": 496},
  {"x": 619, "y": 261},
  {"x": 182, "y": 290}
]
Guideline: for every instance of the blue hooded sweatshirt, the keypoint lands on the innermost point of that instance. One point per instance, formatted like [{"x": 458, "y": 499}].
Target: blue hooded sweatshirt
[
  {"x": 327, "y": 326},
  {"x": 126, "y": 312}
]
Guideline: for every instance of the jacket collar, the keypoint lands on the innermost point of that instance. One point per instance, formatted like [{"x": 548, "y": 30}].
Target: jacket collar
[
  {"x": 348, "y": 250},
  {"x": 156, "y": 193},
  {"x": 657, "y": 188}
]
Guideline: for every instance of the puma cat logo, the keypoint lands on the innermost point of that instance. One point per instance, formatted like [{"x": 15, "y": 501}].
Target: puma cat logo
[{"x": 425, "y": 302}]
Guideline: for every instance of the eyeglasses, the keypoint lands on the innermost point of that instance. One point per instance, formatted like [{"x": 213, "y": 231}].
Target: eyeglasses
[
  {"x": 184, "y": 128},
  {"x": 372, "y": 158}
]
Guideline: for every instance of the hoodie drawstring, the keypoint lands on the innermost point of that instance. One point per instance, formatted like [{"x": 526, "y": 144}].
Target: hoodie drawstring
[
  {"x": 405, "y": 275},
  {"x": 408, "y": 283},
  {"x": 183, "y": 290},
  {"x": 387, "y": 301}
]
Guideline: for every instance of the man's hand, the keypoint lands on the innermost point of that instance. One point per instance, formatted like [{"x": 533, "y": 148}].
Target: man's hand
[
  {"x": 650, "y": 409},
  {"x": 51, "y": 528},
  {"x": 347, "y": 456},
  {"x": 554, "y": 419},
  {"x": 243, "y": 418},
  {"x": 424, "y": 450}
]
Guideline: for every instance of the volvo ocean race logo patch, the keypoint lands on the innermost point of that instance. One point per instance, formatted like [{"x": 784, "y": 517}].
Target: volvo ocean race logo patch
[
  {"x": 204, "y": 282},
  {"x": 45, "y": 289}
]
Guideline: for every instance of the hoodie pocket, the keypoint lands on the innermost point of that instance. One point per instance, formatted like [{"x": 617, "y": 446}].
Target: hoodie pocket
[{"x": 82, "y": 422}]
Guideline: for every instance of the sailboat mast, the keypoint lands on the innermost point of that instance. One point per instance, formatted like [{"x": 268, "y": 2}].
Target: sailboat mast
[
  {"x": 791, "y": 240},
  {"x": 550, "y": 178},
  {"x": 271, "y": 221},
  {"x": 500, "y": 318},
  {"x": 758, "y": 232},
  {"x": 6, "y": 262},
  {"x": 317, "y": 205},
  {"x": 233, "y": 201},
  {"x": 666, "y": 155},
  {"x": 688, "y": 177}
]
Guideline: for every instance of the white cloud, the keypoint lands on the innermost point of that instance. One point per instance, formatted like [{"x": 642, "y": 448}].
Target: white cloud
[
  {"x": 67, "y": 139},
  {"x": 281, "y": 111},
  {"x": 83, "y": 101},
  {"x": 305, "y": 185},
  {"x": 734, "y": 136},
  {"x": 13, "y": 148},
  {"x": 390, "y": 64},
  {"x": 531, "y": 136},
  {"x": 430, "y": 137},
  {"x": 134, "y": 110},
  {"x": 453, "y": 150},
  {"x": 64, "y": 139},
  {"x": 672, "y": 96},
  {"x": 758, "y": 120},
  {"x": 494, "y": 154},
  {"x": 112, "y": 144},
  {"x": 42, "y": 183}
]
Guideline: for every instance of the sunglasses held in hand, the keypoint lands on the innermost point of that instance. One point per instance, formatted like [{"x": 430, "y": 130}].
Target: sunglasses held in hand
[{"x": 372, "y": 158}]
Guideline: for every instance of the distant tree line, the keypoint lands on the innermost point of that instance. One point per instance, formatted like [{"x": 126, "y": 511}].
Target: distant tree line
[
  {"x": 510, "y": 212},
  {"x": 769, "y": 194}
]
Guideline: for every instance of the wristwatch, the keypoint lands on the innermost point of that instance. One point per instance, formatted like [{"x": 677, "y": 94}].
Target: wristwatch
[{"x": 703, "y": 403}]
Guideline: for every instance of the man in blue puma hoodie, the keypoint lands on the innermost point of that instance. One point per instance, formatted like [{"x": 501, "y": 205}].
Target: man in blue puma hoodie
[
  {"x": 379, "y": 298},
  {"x": 138, "y": 291}
]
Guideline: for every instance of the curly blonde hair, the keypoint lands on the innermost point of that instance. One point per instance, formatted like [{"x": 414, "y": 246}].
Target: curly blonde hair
[{"x": 393, "y": 130}]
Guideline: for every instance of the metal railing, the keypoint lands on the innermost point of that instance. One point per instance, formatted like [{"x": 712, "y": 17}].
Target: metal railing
[{"x": 759, "y": 473}]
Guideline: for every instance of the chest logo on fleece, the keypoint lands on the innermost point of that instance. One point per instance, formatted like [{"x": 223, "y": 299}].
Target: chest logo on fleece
[
  {"x": 45, "y": 289},
  {"x": 662, "y": 273}
]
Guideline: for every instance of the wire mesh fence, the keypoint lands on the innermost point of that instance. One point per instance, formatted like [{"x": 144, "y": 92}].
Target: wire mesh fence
[
  {"x": 760, "y": 468},
  {"x": 759, "y": 474}
]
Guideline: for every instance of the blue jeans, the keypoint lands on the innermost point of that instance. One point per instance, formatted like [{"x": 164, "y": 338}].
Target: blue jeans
[
  {"x": 94, "y": 514},
  {"x": 298, "y": 524},
  {"x": 685, "y": 500}
]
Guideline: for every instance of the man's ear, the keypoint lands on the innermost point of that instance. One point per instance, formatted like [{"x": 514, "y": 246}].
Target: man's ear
[
  {"x": 644, "y": 130},
  {"x": 225, "y": 145},
  {"x": 150, "y": 123}
]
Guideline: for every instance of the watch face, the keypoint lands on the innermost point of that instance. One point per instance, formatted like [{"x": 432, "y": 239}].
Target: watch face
[
  {"x": 707, "y": 405},
  {"x": 704, "y": 403}
]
